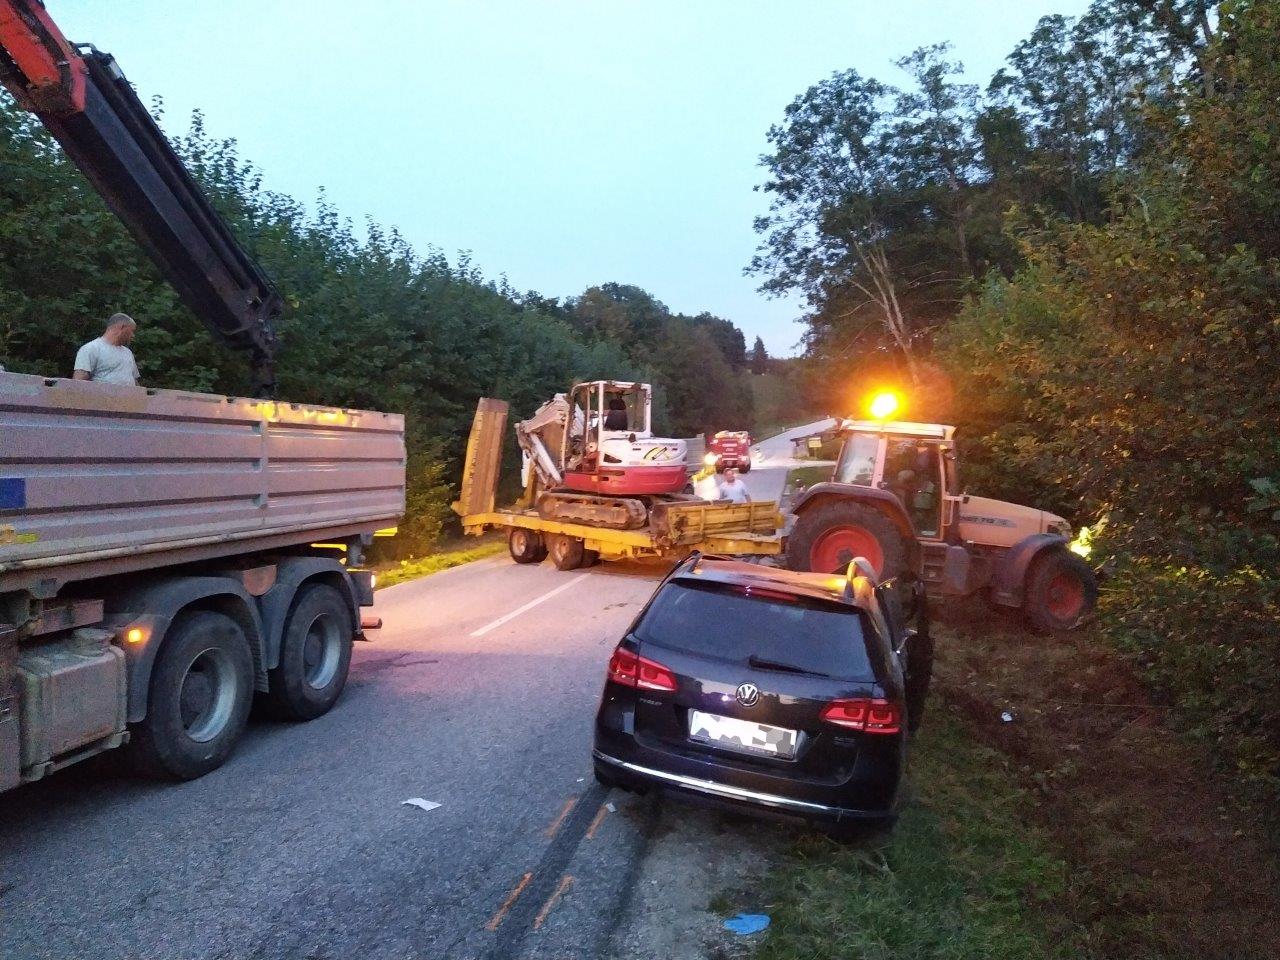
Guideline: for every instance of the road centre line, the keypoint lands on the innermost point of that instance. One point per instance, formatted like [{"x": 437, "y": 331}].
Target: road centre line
[{"x": 528, "y": 606}]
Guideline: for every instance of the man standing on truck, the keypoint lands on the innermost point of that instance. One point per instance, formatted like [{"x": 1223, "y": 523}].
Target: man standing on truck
[{"x": 108, "y": 359}]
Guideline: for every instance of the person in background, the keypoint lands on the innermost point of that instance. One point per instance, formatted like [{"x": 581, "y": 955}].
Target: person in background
[
  {"x": 109, "y": 359},
  {"x": 732, "y": 488}
]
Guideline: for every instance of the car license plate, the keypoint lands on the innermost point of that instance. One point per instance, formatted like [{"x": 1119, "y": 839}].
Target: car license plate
[{"x": 741, "y": 735}]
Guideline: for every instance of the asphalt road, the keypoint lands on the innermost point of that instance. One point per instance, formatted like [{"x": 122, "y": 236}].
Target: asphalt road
[{"x": 478, "y": 694}]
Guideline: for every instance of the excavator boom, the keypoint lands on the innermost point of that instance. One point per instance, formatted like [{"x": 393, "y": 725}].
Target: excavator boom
[{"x": 83, "y": 99}]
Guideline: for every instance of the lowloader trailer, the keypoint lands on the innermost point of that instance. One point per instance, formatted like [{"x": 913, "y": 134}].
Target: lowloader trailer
[
  {"x": 165, "y": 556},
  {"x": 673, "y": 529}
]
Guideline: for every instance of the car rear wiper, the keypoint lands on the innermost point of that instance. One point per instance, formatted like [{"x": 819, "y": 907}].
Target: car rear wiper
[{"x": 765, "y": 664}]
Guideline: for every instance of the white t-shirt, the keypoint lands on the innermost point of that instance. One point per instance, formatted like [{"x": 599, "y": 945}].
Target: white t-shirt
[
  {"x": 735, "y": 491},
  {"x": 107, "y": 363}
]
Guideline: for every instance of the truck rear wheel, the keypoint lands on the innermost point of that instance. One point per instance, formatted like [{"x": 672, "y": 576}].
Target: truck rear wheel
[
  {"x": 315, "y": 654},
  {"x": 199, "y": 697},
  {"x": 526, "y": 546},
  {"x": 1060, "y": 591},
  {"x": 831, "y": 534},
  {"x": 567, "y": 553}
]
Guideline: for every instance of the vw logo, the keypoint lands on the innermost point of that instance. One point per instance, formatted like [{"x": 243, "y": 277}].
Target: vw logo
[{"x": 748, "y": 694}]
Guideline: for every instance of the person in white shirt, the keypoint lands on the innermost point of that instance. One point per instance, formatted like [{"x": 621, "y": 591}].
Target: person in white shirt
[
  {"x": 109, "y": 359},
  {"x": 731, "y": 488}
]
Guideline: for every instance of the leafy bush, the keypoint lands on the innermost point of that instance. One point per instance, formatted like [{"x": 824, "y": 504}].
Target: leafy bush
[{"x": 1129, "y": 370}]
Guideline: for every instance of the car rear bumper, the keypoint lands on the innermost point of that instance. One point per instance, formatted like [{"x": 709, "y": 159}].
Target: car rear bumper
[{"x": 634, "y": 773}]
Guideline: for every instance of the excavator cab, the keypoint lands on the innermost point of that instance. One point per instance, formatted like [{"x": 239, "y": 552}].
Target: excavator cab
[{"x": 609, "y": 447}]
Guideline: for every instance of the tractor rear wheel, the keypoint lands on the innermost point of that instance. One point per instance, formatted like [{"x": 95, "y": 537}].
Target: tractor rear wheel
[
  {"x": 1060, "y": 591},
  {"x": 567, "y": 553},
  {"x": 526, "y": 546},
  {"x": 830, "y": 535}
]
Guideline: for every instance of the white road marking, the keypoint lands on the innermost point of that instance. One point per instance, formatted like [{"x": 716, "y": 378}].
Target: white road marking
[{"x": 528, "y": 606}]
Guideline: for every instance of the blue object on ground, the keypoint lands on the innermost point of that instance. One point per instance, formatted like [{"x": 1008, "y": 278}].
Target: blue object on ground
[{"x": 746, "y": 923}]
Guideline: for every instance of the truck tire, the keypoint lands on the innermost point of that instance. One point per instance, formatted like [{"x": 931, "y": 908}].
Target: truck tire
[
  {"x": 567, "y": 553},
  {"x": 745, "y": 467},
  {"x": 315, "y": 655},
  {"x": 526, "y": 546},
  {"x": 831, "y": 534},
  {"x": 198, "y": 700},
  {"x": 1060, "y": 591}
]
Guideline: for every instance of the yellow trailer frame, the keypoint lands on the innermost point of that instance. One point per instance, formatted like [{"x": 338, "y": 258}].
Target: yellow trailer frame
[{"x": 713, "y": 527}]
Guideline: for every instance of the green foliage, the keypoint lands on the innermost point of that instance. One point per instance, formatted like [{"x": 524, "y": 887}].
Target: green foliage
[
  {"x": 404, "y": 570},
  {"x": 696, "y": 364},
  {"x": 369, "y": 323},
  {"x": 1129, "y": 371}
]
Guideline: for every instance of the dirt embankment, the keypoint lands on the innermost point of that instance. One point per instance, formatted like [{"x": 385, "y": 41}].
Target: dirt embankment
[{"x": 1165, "y": 861}]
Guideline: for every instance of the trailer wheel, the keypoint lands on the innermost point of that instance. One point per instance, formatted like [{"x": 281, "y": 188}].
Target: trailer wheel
[
  {"x": 198, "y": 699},
  {"x": 567, "y": 553},
  {"x": 1060, "y": 591},
  {"x": 315, "y": 655},
  {"x": 831, "y": 534},
  {"x": 526, "y": 546}
]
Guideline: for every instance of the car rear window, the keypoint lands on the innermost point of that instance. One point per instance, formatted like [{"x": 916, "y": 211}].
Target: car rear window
[{"x": 724, "y": 621}]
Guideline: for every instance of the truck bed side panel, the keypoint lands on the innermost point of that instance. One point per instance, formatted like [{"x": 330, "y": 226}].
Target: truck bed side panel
[{"x": 89, "y": 468}]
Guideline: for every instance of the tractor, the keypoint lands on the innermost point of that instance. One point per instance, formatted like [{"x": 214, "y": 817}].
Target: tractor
[{"x": 895, "y": 498}]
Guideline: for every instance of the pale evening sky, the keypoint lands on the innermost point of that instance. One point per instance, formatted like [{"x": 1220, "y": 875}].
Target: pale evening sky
[{"x": 562, "y": 143}]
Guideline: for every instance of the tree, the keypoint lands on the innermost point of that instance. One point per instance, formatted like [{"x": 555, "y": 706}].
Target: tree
[
  {"x": 1128, "y": 371},
  {"x": 827, "y": 234},
  {"x": 759, "y": 358}
]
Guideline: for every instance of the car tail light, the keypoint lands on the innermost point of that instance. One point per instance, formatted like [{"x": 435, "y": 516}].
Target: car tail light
[
  {"x": 865, "y": 714},
  {"x": 632, "y": 671}
]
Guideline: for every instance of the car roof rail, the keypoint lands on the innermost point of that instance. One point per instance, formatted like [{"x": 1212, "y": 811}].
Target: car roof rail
[{"x": 693, "y": 559}]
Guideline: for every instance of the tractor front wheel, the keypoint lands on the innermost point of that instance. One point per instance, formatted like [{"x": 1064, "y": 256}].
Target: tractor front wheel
[
  {"x": 827, "y": 537},
  {"x": 1060, "y": 592}
]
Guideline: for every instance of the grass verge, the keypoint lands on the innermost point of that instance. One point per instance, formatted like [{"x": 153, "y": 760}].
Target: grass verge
[
  {"x": 963, "y": 874},
  {"x": 394, "y": 573}
]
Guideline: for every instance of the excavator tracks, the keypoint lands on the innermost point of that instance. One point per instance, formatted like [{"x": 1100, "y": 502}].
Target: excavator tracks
[{"x": 615, "y": 513}]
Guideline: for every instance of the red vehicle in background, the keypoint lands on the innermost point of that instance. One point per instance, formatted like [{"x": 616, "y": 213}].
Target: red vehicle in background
[{"x": 731, "y": 448}]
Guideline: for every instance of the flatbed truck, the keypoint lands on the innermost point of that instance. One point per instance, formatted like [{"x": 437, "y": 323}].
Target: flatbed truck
[
  {"x": 166, "y": 556},
  {"x": 674, "y": 529}
]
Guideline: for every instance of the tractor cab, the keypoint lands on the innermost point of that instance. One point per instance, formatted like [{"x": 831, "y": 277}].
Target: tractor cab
[
  {"x": 609, "y": 447},
  {"x": 913, "y": 461}
]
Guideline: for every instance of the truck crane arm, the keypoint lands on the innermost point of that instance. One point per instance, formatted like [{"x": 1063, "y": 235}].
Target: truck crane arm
[{"x": 83, "y": 99}]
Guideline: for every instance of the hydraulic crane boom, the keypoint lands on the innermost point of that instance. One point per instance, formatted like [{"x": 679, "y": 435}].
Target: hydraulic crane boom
[{"x": 83, "y": 99}]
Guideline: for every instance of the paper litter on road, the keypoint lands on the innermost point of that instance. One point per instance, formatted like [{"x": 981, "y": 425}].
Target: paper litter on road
[
  {"x": 745, "y": 924},
  {"x": 419, "y": 803},
  {"x": 611, "y": 808},
  {"x": 1006, "y": 716}
]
